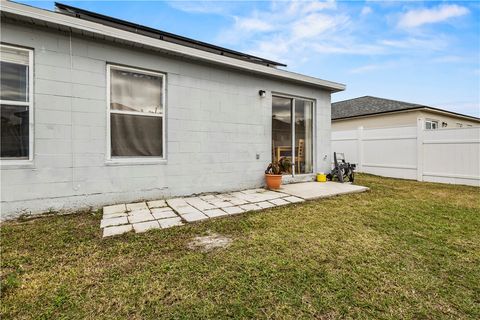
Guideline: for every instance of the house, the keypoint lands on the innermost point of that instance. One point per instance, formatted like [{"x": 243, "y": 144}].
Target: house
[
  {"x": 97, "y": 110},
  {"x": 373, "y": 112}
]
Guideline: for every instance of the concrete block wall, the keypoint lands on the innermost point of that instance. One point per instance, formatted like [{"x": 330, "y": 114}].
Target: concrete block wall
[{"x": 216, "y": 124}]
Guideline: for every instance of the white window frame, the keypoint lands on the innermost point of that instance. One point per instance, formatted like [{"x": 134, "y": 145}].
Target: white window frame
[
  {"x": 431, "y": 122},
  {"x": 29, "y": 104},
  {"x": 136, "y": 159},
  {"x": 314, "y": 130}
]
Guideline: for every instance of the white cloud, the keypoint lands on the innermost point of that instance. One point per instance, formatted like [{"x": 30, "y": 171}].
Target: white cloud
[
  {"x": 315, "y": 24},
  {"x": 252, "y": 24},
  {"x": 419, "y": 17},
  {"x": 366, "y": 68},
  {"x": 366, "y": 11}
]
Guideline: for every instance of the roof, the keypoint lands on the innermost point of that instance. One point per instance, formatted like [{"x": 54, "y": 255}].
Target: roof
[
  {"x": 368, "y": 105},
  {"x": 159, "y": 34},
  {"x": 126, "y": 35}
]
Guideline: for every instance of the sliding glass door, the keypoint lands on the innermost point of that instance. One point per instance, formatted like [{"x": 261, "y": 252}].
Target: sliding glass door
[{"x": 292, "y": 132}]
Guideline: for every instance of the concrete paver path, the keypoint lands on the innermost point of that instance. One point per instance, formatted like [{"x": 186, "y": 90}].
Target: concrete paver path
[{"x": 144, "y": 216}]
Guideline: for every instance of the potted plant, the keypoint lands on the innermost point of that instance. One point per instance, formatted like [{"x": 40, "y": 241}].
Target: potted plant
[{"x": 273, "y": 174}]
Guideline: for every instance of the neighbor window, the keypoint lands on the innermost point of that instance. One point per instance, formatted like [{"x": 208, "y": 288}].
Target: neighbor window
[
  {"x": 431, "y": 125},
  {"x": 136, "y": 102},
  {"x": 16, "y": 111}
]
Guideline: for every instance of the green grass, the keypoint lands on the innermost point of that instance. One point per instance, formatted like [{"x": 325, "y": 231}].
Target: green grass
[{"x": 402, "y": 250}]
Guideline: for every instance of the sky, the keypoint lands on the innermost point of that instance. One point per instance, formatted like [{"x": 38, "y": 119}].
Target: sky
[{"x": 425, "y": 52}]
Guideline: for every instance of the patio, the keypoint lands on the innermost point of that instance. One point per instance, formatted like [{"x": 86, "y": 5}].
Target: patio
[{"x": 143, "y": 216}]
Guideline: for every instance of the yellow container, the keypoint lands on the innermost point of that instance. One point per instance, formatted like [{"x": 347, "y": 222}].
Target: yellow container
[{"x": 321, "y": 177}]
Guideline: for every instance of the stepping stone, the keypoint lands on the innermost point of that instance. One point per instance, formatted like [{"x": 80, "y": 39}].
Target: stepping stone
[
  {"x": 186, "y": 210},
  {"x": 158, "y": 213},
  {"x": 113, "y": 231},
  {"x": 136, "y": 206},
  {"x": 176, "y": 202},
  {"x": 279, "y": 202},
  {"x": 119, "y": 208},
  {"x": 250, "y": 191},
  {"x": 113, "y": 222},
  {"x": 233, "y": 210},
  {"x": 145, "y": 226},
  {"x": 265, "y": 205},
  {"x": 221, "y": 204},
  {"x": 269, "y": 195},
  {"x": 199, "y": 204},
  {"x": 250, "y": 207},
  {"x": 207, "y": 197},
  {"x": 138, "y": 211},
  {"x": 195, "y": 216},
  {"x": 294, "y": 199},
  {"x": 215, "y": 213},
  {"x": 114, "y": 215},
  {"x": 140, "y": 217},
  {"x": 171, "y": 222},
  {"x": 157, "y": 204},
  {"x": 238, "y": 201}
]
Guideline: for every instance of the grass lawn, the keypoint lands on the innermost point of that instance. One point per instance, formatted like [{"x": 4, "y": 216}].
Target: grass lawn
[{"x": 402, "y": 250}]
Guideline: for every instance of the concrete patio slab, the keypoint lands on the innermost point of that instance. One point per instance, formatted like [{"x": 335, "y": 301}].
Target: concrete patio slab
[
  {"x": 233, "y": 210},
  {"x": 157, "y": 204},
  {"x": 116, "y": 230},
  {"x": 279, "y": 202},
  {"x": 194, "y": 216},
  {"x": 163, "y": 214},
  {"x": 315, "y": 190},
  {"x": 140, "y": 217},
  {"x": 265, "y": 205},
  {"x": 213, "y": 213},
  {"x": 143, "y": 216},
  {"x": 293, "y": 199},
  {"x": 145, "y": 226},
  {"x": 137, "y": 206},
  {"x": 250, "y": 207},
  {"x": 119, "y": 208},
  {"x": 113, "y": 222},
  {"x": 170, "y": 222},
  {"x": 114, "y": 215}
]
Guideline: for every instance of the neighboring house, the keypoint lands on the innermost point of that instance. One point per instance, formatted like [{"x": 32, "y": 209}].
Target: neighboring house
[
  {"x": 96, "y": 111},
  {"x": 373, "y": 112}
]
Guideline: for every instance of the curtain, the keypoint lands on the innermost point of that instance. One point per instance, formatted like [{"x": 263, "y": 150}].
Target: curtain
[
  {"x": 137, "y": 92},
  {"x": 136, "y": 135}
]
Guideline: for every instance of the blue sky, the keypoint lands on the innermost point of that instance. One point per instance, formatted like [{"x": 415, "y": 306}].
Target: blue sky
[{"x": 425, "y": 52}]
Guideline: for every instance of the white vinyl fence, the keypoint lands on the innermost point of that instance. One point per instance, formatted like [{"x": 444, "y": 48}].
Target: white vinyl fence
[{"x": 444, "y": 155}]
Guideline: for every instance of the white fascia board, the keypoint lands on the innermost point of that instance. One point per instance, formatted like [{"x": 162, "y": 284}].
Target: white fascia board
[{"x": 97, "y": 28}]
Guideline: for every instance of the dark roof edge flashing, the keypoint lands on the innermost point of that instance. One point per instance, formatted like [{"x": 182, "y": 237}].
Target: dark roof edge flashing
[
  {"x": 420, "y": 107},
  {"x": 158, "y": 34}
]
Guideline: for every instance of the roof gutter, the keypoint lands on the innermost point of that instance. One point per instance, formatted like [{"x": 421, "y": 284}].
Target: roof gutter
[{"x": 172, "y": 48}]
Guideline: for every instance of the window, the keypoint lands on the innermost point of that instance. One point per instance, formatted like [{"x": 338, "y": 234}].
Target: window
[
  {"x": 292, "y": 132},
  {"x": 431, "y": 125},
  {"x": 16, "y": 95},
  {"x": 136, "y": 113},
  {"x": 459, "y": 125}
]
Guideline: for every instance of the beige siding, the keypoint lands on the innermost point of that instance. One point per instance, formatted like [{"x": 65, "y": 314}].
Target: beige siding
[{"x": 408, "y": 118}]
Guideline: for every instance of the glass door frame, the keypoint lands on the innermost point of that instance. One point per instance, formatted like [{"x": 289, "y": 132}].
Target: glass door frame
[{"x": 314, "y": 129}]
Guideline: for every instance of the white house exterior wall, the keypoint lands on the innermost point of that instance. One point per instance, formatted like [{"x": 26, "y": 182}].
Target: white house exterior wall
[{"x": 216, "y": 124}]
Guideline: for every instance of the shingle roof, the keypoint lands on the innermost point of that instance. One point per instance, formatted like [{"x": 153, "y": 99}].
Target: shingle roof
[{"x": 369, "y": 105}]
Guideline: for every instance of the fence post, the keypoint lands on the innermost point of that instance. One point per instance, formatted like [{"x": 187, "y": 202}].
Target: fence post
[
  {"x": 420, "y": 129},
  {"x": 360, "y": 148}
]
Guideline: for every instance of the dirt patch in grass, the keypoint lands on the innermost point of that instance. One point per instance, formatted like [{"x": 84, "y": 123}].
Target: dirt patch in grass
[
  {"x": 403, "y": 250},
  {"x": 209, "y": 242}
]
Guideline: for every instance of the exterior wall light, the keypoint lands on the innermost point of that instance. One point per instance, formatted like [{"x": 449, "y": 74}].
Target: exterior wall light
[{"x": 262, "y": 93}]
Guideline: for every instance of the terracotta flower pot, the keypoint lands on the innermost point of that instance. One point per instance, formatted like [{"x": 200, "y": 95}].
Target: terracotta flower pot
[{"x": 273, "y": 180}]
